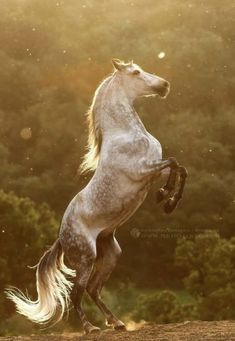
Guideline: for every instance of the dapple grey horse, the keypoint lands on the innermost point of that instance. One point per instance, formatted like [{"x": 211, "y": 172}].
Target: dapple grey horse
[{"x": 125, "y": 159}]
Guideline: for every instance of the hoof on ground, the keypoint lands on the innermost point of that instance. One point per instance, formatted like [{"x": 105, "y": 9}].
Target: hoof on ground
[
  {"x": 119, "y": 326},
  {"x": 91, "y": 329},
  {"x": 116, "y": 324}
]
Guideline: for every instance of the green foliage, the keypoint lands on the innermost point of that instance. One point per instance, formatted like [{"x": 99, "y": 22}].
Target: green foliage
[
  {"x": 162, "y": 307},
  {"x": 26, "y": 231},
  {"x": 210, "y": 273}
]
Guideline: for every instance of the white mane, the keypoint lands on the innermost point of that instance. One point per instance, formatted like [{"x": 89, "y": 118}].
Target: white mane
[{"x": 91, "y": 158}]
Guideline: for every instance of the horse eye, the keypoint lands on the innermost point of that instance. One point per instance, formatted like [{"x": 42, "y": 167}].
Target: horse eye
[{"x": 136, "y": 72}]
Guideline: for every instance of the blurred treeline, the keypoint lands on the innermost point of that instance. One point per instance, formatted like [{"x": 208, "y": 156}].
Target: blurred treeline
[{"x": 53, "y": 56}]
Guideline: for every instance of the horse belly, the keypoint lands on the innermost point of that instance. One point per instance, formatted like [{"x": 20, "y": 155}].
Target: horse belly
[
  {"x": 111, "y": 206},
  {"x": 131, "y": 205}
]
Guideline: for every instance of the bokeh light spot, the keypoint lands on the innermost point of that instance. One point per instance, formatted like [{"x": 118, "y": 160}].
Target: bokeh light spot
[
  {"x": 26, "y": 133},
  {"x": 161, "y": 55}
]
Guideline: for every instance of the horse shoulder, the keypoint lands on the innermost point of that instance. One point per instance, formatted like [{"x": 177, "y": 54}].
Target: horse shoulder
[{"x": 130, "y": 145}]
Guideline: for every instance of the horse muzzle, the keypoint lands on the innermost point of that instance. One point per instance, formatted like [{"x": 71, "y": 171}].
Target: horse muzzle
[{"x": 162, "y": 89}]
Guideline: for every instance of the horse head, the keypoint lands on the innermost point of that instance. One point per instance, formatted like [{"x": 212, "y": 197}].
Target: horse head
[{"x": 138, "y": 82}]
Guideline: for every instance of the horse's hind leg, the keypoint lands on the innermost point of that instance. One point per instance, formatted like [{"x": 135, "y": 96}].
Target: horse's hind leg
[
  {"x": 83, "y": 274},
  {"x": 81, "y": 253},
  {"x": 108, "y": 251}
]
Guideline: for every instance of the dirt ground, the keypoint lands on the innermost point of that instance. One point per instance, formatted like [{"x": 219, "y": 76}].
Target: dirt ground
[{"x": 193, "y": 331}]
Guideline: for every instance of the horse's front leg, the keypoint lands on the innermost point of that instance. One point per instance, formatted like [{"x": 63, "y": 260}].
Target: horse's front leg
[
  {"x": 175, "y": 169},
  {"x": 172, "y": 202},
  {"x": 164, "y": 191},
  {"x": 155, "y": 167}
]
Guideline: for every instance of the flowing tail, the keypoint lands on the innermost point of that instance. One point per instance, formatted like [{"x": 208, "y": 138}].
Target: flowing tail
[{"x": 52, "y": 287}]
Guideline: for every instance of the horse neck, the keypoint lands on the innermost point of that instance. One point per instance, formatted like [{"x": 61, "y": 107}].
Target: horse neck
[{"x": 116, "y": 112}]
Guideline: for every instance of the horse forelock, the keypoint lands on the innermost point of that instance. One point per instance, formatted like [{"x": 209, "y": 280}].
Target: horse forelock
[{"x": 91, "y": 157}]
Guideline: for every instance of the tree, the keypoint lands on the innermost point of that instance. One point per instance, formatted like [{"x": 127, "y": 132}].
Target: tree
[
  {"x": 162, "y": 307},
  {"x": 26, "y": 231},
  {"x": 209, "y": 267}
]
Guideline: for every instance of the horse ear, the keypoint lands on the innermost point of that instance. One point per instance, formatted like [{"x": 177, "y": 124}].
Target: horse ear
[{"x": 118, "y": 64}]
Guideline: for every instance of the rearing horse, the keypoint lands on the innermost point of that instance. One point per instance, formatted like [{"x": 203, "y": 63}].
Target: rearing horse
[{"x": 126, "y": 159}]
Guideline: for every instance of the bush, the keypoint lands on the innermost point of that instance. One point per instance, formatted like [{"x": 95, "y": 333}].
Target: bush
[
  {"x": 162, "y": 307},
  {"x": 209, "y": 261},
  {"x": 26, "y": 230}
]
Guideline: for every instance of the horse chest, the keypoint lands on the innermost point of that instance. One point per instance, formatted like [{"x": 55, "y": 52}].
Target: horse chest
[
  {"x": 154, "y": 149},
  {"x": 140, "y": 146},
  {"x": 138, "y": 153}
]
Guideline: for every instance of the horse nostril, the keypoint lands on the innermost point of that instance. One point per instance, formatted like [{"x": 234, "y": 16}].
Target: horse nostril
[{"x": 166, "y": 84}]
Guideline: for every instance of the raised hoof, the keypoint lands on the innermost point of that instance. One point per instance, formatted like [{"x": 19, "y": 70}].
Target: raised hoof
[
  {"x": 160, "y": 195},
  {"x": 90, "y": 329},
  {"x": 170, "y": 205}
]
